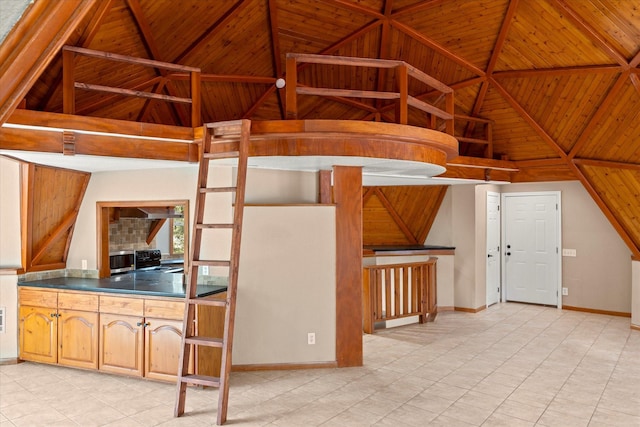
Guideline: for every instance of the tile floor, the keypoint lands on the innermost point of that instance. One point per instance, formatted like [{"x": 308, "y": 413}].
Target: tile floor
[{"x": 510, "y": 365}]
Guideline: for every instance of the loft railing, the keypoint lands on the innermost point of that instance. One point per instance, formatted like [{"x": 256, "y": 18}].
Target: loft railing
[
  {"x": 69, "y": 84},
  {"x": 395, "y": 291},
  {"x": 403, "y": 72},
  {"x": 481, "y": 131}
]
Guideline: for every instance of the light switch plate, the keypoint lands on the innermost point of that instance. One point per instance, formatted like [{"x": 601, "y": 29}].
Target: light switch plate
[{"x": 568, "y": 252}]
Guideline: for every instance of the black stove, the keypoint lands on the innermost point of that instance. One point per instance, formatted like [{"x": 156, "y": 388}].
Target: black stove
[{"x": 147, "y": 258}]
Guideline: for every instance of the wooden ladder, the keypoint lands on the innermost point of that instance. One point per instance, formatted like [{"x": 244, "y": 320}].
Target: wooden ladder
[{"x": 220, "y": 140}]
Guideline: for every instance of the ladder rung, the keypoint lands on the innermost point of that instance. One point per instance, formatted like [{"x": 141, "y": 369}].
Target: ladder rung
[
  {"x": 209, "y": 302},
  {"x": 201, "y": 380},
  {"x": 204, "y": 226},
  {"x": 204, "y": 341},
  {"x": 211, "y": 263},
  {"x": 218, "y": 189},
  {"x": 222, "y": 155}
]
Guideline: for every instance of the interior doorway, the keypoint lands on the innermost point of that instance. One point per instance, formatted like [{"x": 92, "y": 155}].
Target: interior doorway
[
  {"x": 531, "y": 247},
  {"x": 105, "y": 212}
]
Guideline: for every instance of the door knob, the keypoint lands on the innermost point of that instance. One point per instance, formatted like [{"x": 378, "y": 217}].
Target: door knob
[{"x": 508, "y": 253}]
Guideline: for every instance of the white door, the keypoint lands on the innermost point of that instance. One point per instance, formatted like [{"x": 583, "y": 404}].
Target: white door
[
  {"x": 531, "y": 247},
  {"x": 493, "y": 248}
]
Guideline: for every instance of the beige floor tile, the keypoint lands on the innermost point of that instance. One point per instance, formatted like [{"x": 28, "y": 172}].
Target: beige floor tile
[{"x": 510, "y": 365}]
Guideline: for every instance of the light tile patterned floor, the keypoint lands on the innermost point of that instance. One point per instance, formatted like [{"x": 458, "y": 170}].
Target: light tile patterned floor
[{"x": 510, "y": 365}]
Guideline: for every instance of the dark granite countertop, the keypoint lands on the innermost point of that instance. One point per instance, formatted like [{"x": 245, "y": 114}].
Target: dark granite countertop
[
  {"x": 387, "y": 248},
  {"x": 139, "y": 283}
]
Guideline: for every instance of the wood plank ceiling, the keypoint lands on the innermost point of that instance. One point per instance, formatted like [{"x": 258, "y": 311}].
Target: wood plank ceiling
[{"x": 559, "y": 78}]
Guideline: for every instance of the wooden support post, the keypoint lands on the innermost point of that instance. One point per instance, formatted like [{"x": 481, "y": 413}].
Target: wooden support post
[
  {"x": 325, "y": 187},
  {"x": 367, "y": 301},
  {"x": 403, "y": 87},
  {"x": 291, "y": 89},
  {"x": 450, "y": 108},
  {"x": 196, "y": 100},
  {"x": 347, "y": 184},
  {"x": 68, "y": 88}
]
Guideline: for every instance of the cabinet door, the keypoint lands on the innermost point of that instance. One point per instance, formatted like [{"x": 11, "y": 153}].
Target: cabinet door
[
  {"x": 38, "y": 337},
  {"x": 78, "y": 339},
  {"x": 121, "y": 344},
  {"x": 163, "y": 339}
]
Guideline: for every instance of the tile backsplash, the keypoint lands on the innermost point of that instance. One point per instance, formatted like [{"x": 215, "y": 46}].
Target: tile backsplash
[{"x": 130, "y": 234}]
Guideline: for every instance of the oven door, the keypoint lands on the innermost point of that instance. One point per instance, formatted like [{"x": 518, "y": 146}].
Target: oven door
[{"x": 121, "y": 261}]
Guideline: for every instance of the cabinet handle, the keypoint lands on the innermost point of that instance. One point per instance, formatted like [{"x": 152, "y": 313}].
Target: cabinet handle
[
  {"x": 147, "y": 324},
  {"x": 54, "y": 315},
  {"x": 139, "y": 324}
]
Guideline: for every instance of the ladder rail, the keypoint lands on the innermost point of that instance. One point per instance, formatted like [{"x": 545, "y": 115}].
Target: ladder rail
[{"x": 224, "y": 132}]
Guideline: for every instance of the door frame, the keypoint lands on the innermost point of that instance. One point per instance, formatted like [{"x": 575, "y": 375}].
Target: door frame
[
  {"x": 503, "y": 203},
  {"x": 499, "y": 260}
]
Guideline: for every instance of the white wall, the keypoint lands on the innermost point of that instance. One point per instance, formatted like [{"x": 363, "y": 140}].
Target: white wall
[
  {"x": 286, "y": 286},
  {"x": 635, "y": 295},
  {"x": 599, "y": 277},
  {"x": 9, "y": 253},
  {"x": 464, "y": 240},
  {"x": 287, "y": 268}
]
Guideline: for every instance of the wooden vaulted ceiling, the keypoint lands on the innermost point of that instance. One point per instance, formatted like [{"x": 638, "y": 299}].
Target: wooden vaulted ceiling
[{"x": 558, "y": 78}]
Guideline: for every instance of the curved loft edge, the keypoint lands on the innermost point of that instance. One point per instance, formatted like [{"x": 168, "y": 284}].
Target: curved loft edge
[{"x": 380, "y": 148}]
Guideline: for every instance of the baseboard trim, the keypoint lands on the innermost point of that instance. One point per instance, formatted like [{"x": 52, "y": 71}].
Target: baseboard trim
[
  {"x": 635, "y": 327},
  {"x": 446, "y": 308},
  {"x": 283, "y": 366},
  {"x": 10, "y": 361},
  {"x": 470, "y": 310},
  {"x": 596, "y": 311}
]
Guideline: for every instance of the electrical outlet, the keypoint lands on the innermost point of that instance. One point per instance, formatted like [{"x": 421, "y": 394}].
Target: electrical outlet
[
  {"x": 565, "y": 291},
  {"x": 568, "y": 252},
  {"x": 84, "y": 264},
  {"x": 311, "y": 338},
  {"x": 205, "y": 270}
]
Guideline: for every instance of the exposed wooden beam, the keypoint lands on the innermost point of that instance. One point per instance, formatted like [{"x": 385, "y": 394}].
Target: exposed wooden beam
[
  {"x": 213, "y": 29},
  {"x": 586, "y": 28},
  {"x": 41, "y": 119},
  {"x": 635, "y": 81},
  {"x": 395, "y": 216},
  {"x": 32, "y": 44},
  {"x": 607, "y": 164},
  {"x": 153, "y": 51},
  {"x": 275, "y": 49},
  {"x": 502, "y": 35},
  {"x": 527, "y": 117},
  {"x": 355, "y": 7},
  {"x": 432, "y": 215},
  {"x": 55, "y": 235},
  {"x": 635, "y": 61},
  {"x": 540, "y": 163},
  {"x": 603, "y": 109},
  {"x": 437, "y": 47},
  {"x": 560, "y": 71},
  {"x": 622, "y": 232},
  {"x": 155, "y": 226},
  {"x": 89, "y": 33},
  {"x": 416, "y": 7}
]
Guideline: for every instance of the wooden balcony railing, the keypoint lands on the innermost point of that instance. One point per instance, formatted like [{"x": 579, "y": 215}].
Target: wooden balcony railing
[
  {"x": 402, "y": 71},
  {"x": 69, "y": 84},
  {"x": 395, "y": 291},
  {"x": 482, "y": 129}
]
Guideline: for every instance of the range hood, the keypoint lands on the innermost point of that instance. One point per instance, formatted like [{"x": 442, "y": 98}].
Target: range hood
[
  {"x": 155, "y": 212},
  {"x": 161, "y": 213}
]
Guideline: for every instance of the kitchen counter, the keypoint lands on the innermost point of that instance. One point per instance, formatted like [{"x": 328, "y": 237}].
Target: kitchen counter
[
  {"x": 140, "y": 283},
  {"x": 382, "y": 250}
]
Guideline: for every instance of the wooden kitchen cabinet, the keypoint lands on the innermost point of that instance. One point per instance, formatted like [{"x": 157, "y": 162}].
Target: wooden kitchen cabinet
[
  {"x": 121, "y": 344},
  {"x": 38, "y": 334},
  {"x": 132, "y": 343},
  {"x": 50, "y": 332},
  {"x": 162, "y": 341}
]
